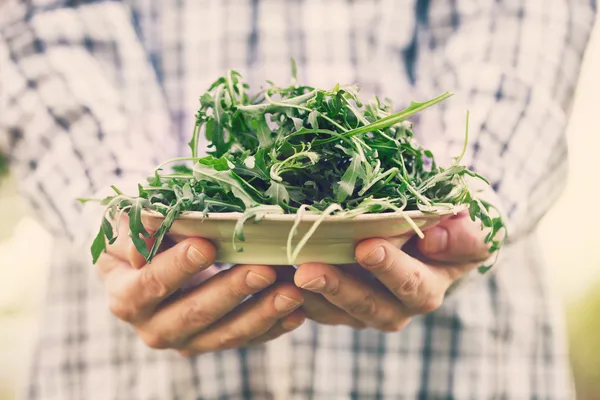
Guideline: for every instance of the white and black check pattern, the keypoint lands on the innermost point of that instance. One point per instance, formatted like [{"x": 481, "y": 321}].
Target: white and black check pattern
[{"x": 98, "y": 92}]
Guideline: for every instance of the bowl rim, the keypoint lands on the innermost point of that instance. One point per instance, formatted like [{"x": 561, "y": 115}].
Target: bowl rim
[{"x": 311, "y": 217}]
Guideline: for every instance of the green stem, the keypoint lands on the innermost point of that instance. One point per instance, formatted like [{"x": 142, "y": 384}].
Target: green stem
[
  {"x": 294, "y": 101},
  {"x": 394, "y": 118}
]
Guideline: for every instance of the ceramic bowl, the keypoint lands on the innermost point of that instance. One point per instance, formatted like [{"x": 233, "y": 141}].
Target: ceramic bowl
[{"x": 265, "y": 242}]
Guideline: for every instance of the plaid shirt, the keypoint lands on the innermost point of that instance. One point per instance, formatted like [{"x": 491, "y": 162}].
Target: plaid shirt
[{"x": 98, "y": 92}]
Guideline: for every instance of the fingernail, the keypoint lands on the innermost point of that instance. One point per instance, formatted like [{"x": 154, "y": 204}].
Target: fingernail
[
  {"x": 195, "y": 256},
  {"x": 315, "y": 284},
  {"x": 256, "y": 281},
  {"x": 375, "y": 257},
  {"x": 436, "y": 240},
  {"x": 284, "y": 303}
]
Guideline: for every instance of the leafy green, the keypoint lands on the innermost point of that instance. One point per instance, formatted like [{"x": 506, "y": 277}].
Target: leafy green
[
  {"x": 278, "y": 193},
  {"x": 98, "y": 246},
  {"x": 295, "y": 149}
]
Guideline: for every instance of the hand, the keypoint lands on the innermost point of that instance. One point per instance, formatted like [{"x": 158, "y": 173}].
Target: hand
[
  {"x": 210, "y": 317},
  {"x": 391, "y": 285}
]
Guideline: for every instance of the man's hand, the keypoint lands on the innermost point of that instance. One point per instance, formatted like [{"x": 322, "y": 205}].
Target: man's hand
[
  {"x": 210, "y": 317},
  {"x": 392, "y": 285}
]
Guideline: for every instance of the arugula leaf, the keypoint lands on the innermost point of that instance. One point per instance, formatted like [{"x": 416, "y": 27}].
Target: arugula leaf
[
  {"x": 313, "y": 119},
  {"x": 98, "y": 246},
  {"x": 263, "y": 132},
  {"x": 159, "y": 235},
  {"x": 136, "y": 228},
  {"x": 108, "y": 231},
  {"x": 346, "y": 185},
  {"x": 225, "y": 180},
  {"x": 278, "y": 193}
]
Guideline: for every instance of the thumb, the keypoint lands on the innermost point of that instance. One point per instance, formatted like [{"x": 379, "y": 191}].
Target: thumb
[{"x": 458, "y": 239}]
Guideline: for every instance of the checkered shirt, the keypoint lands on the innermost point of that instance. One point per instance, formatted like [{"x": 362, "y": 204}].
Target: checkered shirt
[{"x": 98, "y": 92}]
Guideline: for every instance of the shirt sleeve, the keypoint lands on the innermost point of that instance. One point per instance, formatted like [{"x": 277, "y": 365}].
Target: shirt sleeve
[
  {"x": 81, "y": 107},
  {"x": 514, "y": 64}
]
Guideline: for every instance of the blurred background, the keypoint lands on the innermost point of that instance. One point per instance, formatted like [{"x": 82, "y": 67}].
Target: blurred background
[{"x": 569, "y": 235}]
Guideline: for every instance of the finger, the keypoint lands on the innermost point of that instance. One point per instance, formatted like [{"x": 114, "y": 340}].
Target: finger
[
  {"x": 281, "y": 327},
  {"x": 120, "y": 247},
  {"x": 248, "y": 322},
  {"x": 321, "y": 310},
  {"x": 107, "y": 263},
  {"x": 374, "y": 308},
  {"x": 201, "y": 277},
  {"x": 136, "y": 260},
  {"x": 419, "y": 287},
  {"x": 123, "y": 247},
  {"x": 455, "y": 240},
  {"x": 135, "y": 292},
  {"x": 177, "y": 321}
]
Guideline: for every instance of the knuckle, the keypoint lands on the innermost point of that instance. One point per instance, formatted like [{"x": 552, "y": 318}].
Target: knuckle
[
  {"x": 410, "y": 285},
  {"x": 333, "y": 288},
  {"x": 154, "y": 340},
  {"x": 184, "y": 353},
  {"x": 365, "y": 307},
  {"x": 358, "y": 325},
  {"x": 195, "y": 315},
  {"x": 239, "y": 292},
  {"x": 121, "y": 309},
  {"x": 387, "y": 265},
  {"x": 395, "y": 326},
  {"x": 151, "y": 284},
  {"x": 229, "y": 339},
  {"x": 430, "y": 304},
  {"x": 188, "y": 352}
]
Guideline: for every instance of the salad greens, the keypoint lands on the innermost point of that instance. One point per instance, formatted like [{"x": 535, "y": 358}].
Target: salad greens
[{"x": 296, "y": 149}]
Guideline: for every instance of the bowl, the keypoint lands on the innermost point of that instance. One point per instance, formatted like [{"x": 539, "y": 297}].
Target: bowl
[{"x": 265, "y": 242}]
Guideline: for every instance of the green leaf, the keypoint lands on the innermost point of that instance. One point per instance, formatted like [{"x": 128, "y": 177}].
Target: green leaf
[
  {"x": 474, "y": 210},
  {"x": 156, "y": 180},
  {"x": 294, "y": 72},
  {"x": 193, "y": 143},
  {"x": 346, "y": 185},
  {"x": 226, "y": 180},
  {"x": 278, "y": 193},
  {"x": 263, "y": 132},
  {"x": 260, "y": 163},
  {"x": 98, "y": 246},
  {"x": 393, "y": 119},
  {"x": 206, "y": 100},
  {"x": 182, "y": 169},
  {"x": 484, "y": 268},
  {"x": 165, "y": 226},
  {"x": 219, "y": 164},
  {"x": 216, "y": 129},
  {"x": 136, "y": 227},
  {"x": 108, "y": 230},
  {"x": 298, "y": 123},
  {"x": 313, "y": 119}
]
